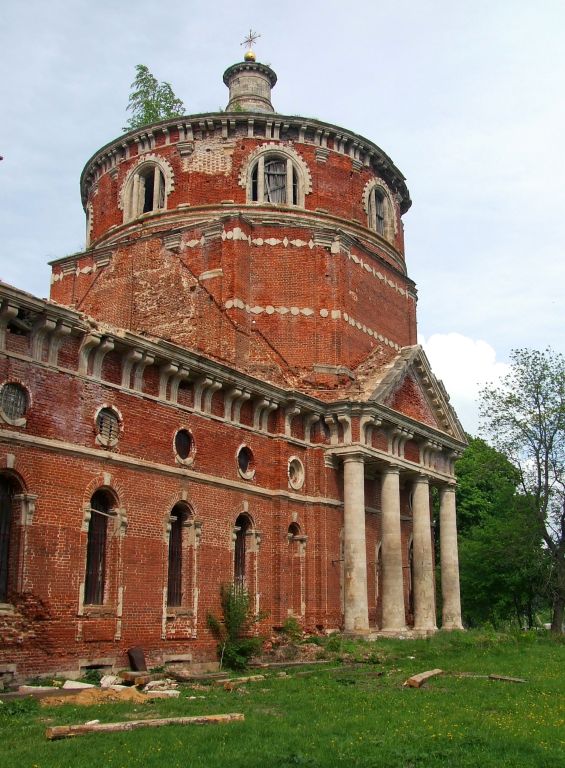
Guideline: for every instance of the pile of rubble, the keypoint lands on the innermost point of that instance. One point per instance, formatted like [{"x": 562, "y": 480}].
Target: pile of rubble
[{"x": 139, "y": 687}]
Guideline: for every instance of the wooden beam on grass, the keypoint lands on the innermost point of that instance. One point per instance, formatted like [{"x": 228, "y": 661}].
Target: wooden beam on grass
[
  {"x": 505, "y": 679},
  {"x": 66, "y": 731},
  {"x": 416, "y": 681}
]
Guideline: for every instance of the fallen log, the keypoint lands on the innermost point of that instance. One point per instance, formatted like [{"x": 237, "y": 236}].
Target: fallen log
[
  {"x": 507, "y": 679},
  {"x": 416, "y": 681},
  {"x": 240, "y": 680},
  {"x": 66, "y": 731}
]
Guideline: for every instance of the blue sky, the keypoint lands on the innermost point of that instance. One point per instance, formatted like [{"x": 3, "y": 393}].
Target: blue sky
[{"x": 466, "y": 97}]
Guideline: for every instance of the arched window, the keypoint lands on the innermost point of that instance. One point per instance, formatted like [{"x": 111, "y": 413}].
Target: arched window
[
  {"x": 96, "y": 547},
  {"x": 295, "y": 586},
  {"x": 242, "y": 528},
  {"x": 274, "y": 179},
  {"x": 380, "y": 212},
  {"x": 6, "y": 536},
  {"x": 179, "y": 516},
  {"x": 146, "y": 187}
]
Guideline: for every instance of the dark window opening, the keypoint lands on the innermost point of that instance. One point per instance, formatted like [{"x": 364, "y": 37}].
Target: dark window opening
[
  {"x": 379, "y": 212},
  {"x": 183, "y": 443},
  {"x": 254, "y": 184},
  {"x": 293, "y": 530},
  {"x": 245, "y": 460},
  {"x": 149, "y": 183},
  {"x": 174, "y": 581},
  {"x": 6, "y": 494},
  {"x": 242, "y": 526},
  {"x": 95, "y": 580}
]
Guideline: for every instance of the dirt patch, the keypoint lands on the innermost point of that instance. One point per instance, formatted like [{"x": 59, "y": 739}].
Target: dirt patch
[{"x": 90, "y": 696}]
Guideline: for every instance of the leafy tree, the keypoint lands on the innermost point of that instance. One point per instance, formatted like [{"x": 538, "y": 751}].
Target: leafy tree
[
  {"x": 525, "y": 417},
  {"x": 486, "y": 484},
  {"x": 503, "y": 566},
  {"x": 150, "y": 100}
]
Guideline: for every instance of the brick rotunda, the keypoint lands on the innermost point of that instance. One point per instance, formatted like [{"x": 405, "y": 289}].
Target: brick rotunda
[{"x": 224, "y": 386}]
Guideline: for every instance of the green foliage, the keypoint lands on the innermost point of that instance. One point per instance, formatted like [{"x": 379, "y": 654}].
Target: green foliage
[
  {"x": 486, "y": 483},
  {"x": 92, "y": 676},
  {"x": 18, "y": 708},
  {"x": 525, "y": 418},
  {"x": 150, "y": 100},
  {"x": 292, "y": 630},
  {"x": 504, "y": 568},
  {"x": 235, "y": 645}
]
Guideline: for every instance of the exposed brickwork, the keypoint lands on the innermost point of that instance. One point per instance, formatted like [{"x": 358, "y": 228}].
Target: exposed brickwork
[{"x": 250, "y": 325}]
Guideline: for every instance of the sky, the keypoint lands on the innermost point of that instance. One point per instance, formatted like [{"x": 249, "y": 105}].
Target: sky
[{"x": 465, "y": 96}]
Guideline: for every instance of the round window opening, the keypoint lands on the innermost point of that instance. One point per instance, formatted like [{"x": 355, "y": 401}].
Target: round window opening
[
  {"x": 184, "y": 444},
  {"x": 108, "y": 426},
  {"x": 295, "y": 473},
  {"x": 13, "y": 402},
  {"x": 246, "y": 462}
]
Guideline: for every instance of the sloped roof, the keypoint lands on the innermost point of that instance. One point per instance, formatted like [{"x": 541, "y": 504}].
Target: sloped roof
[{"x": 382, "y": 383}]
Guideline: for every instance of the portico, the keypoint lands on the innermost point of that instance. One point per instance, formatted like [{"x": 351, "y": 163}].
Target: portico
[{"x": 417, "y": 481}]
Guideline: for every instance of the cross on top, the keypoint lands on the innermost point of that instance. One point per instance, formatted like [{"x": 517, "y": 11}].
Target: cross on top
[{"x": 250, "y": 39}]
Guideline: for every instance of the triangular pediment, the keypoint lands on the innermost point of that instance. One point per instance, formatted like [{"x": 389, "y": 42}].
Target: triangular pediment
[{"x": 408, "y": 385}]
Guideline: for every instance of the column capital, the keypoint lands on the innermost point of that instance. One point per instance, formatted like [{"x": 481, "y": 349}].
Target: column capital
[
  {"x": 391, "y": 469},
  {"x": 356, "y": 456}
]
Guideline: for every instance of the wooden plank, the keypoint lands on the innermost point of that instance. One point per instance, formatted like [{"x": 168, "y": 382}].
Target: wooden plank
[
  {"x": 507, "y": 679},
  {"x": 240, "y": 680},
  {"x": 416, "y": 681},
  {"x": 66, "y": 731}
]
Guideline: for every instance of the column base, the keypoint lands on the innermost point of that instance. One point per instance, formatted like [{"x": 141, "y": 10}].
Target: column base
[
  {"x": 452, "y": 628},
  {"x": 404, "y": 634},
  {"x": 425, "y": 631},
  {"x": 404, "y": 631},
  {"x": 356, "y": 632}
]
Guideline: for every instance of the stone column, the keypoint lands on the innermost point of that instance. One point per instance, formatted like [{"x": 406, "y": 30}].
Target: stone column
[
  {"x": 451, "y": 608},
  {"x": 356, "y": 611},
  {"x": 423, "y": 586},
  {"x": 393, "y": 584}
]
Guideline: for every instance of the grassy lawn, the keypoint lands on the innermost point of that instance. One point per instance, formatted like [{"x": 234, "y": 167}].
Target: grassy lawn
[{"x": 341, "y": 714}]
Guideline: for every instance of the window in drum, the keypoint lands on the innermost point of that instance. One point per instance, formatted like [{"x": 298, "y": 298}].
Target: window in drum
[
  {"x": 379, "y": 212},
  {"x": 274, "y": 179}
]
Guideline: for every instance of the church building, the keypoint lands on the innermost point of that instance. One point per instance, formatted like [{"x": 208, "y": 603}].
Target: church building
[{"x": 224, "y": 386}]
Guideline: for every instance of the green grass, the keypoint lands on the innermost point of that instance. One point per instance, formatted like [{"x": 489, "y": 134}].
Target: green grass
[{"x": 343, "y": 715}]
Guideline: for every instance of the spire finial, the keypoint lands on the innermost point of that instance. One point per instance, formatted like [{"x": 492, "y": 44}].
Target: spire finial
[{"x": 248, "y": 41}]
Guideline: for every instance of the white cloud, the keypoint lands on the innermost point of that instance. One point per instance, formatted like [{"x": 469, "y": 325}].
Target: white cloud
[{"x": 464, "y": 365}]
